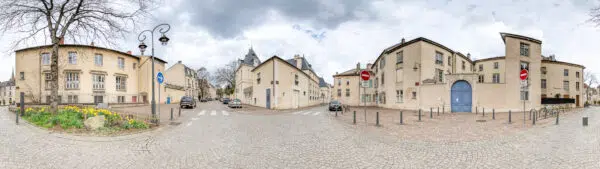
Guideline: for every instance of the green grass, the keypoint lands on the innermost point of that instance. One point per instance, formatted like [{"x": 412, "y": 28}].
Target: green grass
[{"x": 68, "y": 119}]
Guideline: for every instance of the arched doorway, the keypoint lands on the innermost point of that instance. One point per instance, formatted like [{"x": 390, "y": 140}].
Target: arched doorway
[{"x": 461, "y": 96}]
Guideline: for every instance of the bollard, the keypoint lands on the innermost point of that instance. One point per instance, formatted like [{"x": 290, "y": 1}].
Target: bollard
[
  {"x": 419, "y": 114},
  {"x": 534, "y": 117},
  {"x": 438, "y": 111},
  {"x": 179, "y": 112},
  {"x": 22, "y": 104},
  {"x": 476, "y": 110},
  {"x": 430, "y": 112},
  {"x": 336, "y": 112},
  {"x": 443, "y": 111},
  {"x": 557, "y": 118},
  {"x": 401, "y": 118},
  {"x": 171, "y": 114},
  {"x": 493, "y": 114},
  {"x": 483, "y": 112},
  {"x": 377, "y": 118},
  {"x": 530, "y": 115},
  {"x": 585, "y": 121},
  {"x": 509, "y": 117},
  {"x": 354, "y": 118},
  {"x": 545, "y": 114}
]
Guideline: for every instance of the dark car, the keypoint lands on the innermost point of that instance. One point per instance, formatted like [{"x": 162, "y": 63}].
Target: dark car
[
  {"x": 203, "y": 100},
  {"x": 235, "y": 103},
  {"x": 187, "y": 102},
  {"x": 226, "y": 100},
  {"x": 335, "y": 106}
]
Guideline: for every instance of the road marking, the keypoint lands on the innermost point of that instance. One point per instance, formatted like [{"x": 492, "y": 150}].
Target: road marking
[
  {"x": 316, "y": 113},
  {"x": 188, "y": 124},
  {"x": 297, "y": 112},
  {"x": 308, "y": 112},
  {"x": 202, "y": 113},
  {"x": 225, "y": 113},
  {"x": 213, "y": 113}
]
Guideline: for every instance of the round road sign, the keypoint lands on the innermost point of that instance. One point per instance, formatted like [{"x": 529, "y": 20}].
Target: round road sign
[
  {"x": 365, "y": 75},
  {"x": 160, "y": 78},
  {"x": 523, "y": 75}
]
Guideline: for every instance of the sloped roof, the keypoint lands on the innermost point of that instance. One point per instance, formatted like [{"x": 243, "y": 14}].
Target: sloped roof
[
  {"x": 250, "y": 58},
  {"x": 322, "y": 82},
  {"x": 88, "y": 46},
  {"x": 305, "y": 65}
]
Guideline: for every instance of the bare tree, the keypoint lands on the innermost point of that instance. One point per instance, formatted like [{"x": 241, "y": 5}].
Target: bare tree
[
  {"x": 226, "y": 74},
  {"x": 203, "y": 78},
  {"x": 81, "y": 20},
  {"x": 590, "y": 80}
]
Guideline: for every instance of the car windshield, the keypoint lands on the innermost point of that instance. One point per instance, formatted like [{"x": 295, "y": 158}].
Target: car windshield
[
  {"x": 236, "y": 100},
  {"x": 186, "y": 99},
  {"x": 335, "y": 102}
]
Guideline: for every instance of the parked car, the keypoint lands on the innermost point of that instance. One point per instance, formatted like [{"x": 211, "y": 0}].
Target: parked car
[
  {"x": 203, "y": 100},
  {"x": 235, "y": 103},
  {"x": 335, "y": 106},
  {"x": 226, "y": 100},
  {"x": 187, "y": 102}
]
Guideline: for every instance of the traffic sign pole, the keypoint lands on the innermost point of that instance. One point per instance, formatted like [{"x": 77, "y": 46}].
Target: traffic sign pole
[
  {"x": 523, "y": 76},
  {"x": 160, "y": 78}
]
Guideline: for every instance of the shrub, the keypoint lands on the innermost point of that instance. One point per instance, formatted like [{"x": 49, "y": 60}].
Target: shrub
[
  {"x": 43, "y": 119},
  {"x": 136, "y": 124},
  {"x": 68, "y": 119}
]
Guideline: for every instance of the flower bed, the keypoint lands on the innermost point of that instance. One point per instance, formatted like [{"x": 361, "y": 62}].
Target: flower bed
[{"x": 72, "y": 118}]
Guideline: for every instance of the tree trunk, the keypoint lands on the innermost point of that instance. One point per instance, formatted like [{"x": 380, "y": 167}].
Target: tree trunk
[{"x": 54, "y": 76}]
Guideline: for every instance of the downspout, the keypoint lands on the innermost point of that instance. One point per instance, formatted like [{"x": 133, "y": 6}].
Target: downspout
[{"x": 274, "y": 99}]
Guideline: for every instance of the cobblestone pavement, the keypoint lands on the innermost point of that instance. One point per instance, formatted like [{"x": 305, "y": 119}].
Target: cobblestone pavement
[{"x": 309, "y": 138}]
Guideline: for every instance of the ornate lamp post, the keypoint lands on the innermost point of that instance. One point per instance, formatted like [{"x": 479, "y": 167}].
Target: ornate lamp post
[{"x": 162, "y": 28}]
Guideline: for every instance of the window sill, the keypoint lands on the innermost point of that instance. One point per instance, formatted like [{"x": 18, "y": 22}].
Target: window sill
[{"x": 72, "y": 89}]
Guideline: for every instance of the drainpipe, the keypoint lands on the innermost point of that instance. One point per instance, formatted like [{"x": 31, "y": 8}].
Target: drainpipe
[{"x": 273, "y": 99}]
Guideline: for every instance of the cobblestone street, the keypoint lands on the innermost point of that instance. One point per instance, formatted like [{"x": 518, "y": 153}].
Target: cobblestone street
[{"x": 214, "y": 136}]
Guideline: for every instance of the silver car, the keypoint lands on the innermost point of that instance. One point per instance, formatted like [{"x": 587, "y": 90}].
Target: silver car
[{"x": 235, "y": 103}]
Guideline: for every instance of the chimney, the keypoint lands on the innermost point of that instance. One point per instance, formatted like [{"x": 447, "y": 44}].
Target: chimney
[
  {"x": 336, "y": 73},
  {"x": 402, "y": 42},
  {"x": 179, "y": 62},
  {"x": 358, "y": 66},
  {"x": 92, "y": 44},
  {"x": 61, "y": 41},
  {"x": 128, "y": 52},
  {"x": 469, "y": 55}
]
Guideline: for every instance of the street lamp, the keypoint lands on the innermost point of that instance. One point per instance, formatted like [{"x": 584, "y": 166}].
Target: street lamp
[{"x": 164, "y": 28}]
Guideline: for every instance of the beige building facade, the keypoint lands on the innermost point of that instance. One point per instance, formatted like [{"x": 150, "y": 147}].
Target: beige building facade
[
  {"x": 87, "y": 75},
  {"x": 180, "y": 80},
  {"x": 278, "y": 83},
  {"x": 423, "y": 74},
  {"x": 7, "y": 91}
]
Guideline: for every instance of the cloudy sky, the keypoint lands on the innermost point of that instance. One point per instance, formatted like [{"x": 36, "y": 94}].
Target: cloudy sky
[{"x": 334, "y": 35}]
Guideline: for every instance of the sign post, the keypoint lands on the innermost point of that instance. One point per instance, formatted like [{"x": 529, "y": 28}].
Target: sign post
[
  {"x": 365, "y": 76},
  {"x": 160, "y": 78},
  {"x": 523, "y": 76}
]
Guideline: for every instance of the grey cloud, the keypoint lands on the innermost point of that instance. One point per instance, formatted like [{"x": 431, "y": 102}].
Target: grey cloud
[{"x": 228, "y": 18}]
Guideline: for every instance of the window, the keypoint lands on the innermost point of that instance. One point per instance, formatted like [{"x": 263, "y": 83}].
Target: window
[
  {"x": 566, "y": 72},
  {"x": 98, "y": 81},
  {"x": 400, "y": 57},
  {"x": 296, "y": 80},
  {"x": 544, "y": 96},
  {"x": 347, "y": 82},
  {"x": 496, "y": 78},
  {"x": 72, "y": 99},
  {"x": 339, "y": 92},
  {"x": 414, "y": 95},
  {"x": 120, "y": 99},
  {"x": 577, "y": 74},
  {"x": 72, "y": 80},
  {"x": 524, "y": 95},
  {"x": 72, "y": 58},
  {"x": 258, "y": 78},
  {"x": 382, "y": 62},
  {"x": 439, "y": 58},
  {"x": 382, "y": 78},
  {"x": 496, "y": 65},
  {"x": 347, "y": 92},
  {"x": 48, "y": 80},
  {"x": 99, "y": 60},
  {"x": 121, "y": 83},
  {"x": 543, "y": 69},
  {"x": 48, "y": 99},
  {"x": 481, "y": 79},
  {"x": 449, "y": 61},
  {"x": 98, "y": 99},
  {"x": 440, "y": 75},
  {"x": 480, "y": 67},
  {"x": 524, "y": 65},
  {"x": 45, "y": 58},
  {"x": 339, "y": 82},
  {"x": 566, "y": 85},
  {"x": 524, "y": 49},
  {"x": 543, "y": 83},
  {"x": 121, "y": 62},
  {"x": 463, "y": 65},
  {"x": 399, "y": 96},
  {"x": 576, "y": 86},
  {"x": 134, "y": 65}
]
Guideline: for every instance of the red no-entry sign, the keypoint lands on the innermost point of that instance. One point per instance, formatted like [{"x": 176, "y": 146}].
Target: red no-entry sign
[
  {"x": 524, "y": 73},
  {"x": 365, "y": 75}
]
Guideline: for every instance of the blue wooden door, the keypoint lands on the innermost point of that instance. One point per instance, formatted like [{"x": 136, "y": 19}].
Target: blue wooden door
[
  {"x": 461, "y": 97},
  {"x": 268, "y": 98}
]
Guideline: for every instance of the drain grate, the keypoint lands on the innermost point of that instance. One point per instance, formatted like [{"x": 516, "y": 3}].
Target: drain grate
[
  {"x": 480, "y": 120},
  {"x": 175, "y": 123}
]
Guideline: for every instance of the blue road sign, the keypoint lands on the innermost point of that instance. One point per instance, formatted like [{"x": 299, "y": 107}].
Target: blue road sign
[{"x": 160, "y": 78}]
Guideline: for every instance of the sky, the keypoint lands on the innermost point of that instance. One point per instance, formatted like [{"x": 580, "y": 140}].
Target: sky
[{"x": 335, "y": 35}]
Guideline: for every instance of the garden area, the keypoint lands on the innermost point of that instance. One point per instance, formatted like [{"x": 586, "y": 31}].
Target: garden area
[{"x": 73, "y": 119}]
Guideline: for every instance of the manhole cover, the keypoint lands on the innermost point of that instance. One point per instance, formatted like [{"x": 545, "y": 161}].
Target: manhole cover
[
  {"x": 480, "y": 120},
  {"x": 175, "y": 123}
]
